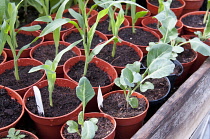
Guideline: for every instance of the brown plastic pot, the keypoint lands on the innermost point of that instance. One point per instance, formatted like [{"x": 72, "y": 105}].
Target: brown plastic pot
[
  {"x": 95, "y": 115},
  {"x": 16, "y": 96},
  {"x": 92, "y": 20},
  {"x": 49, "y": 37},
  {"x": 4, "y": 54},
  {"x": 177, "y": 11},
  {"x": 31, "y": 135},
  {"x": 150, "y": 20},
  {"x": 136, "y": 48},
  {"x": 143, "y": 48},
  {"x": 189, "y": 30},
  {"x": 25, "y": 53},
  {"x": 101, "y": 35},
  {"x": 21, "y": 62},
  {"x": 103, "y": 65},
  {"x": 59, "y": 69},
  {"x": 127, "y": 127},
  {"x": 49, "y": 127},
  {"x": 192, "y": 5}
]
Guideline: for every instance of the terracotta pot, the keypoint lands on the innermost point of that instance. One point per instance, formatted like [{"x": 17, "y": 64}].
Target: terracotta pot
[
  {"x": 25, "y": 53},
  {"x": 49, "y": 37},
  {"x": 177, "y": 11},
  {"x": 21, "y": 62},
  {"x": 138, "y": 9},
  {"x": 92, "y": 20},
  {"x": 101, "y": 35},
  {"x": 200, "y": 58},
  {"x": 143, "y": 48},
  {"x": 16, "y": 96},
  {"x": 127, "y": 127},
  {"x": 106, "y": 67},
  {"x": 5, "y": 133},
  {"x": 136, "y": 49},
  {"x": 59, "y": 69},
  {"x": 189, "y": 30},
  {"x": 192, "y": 5},
  {"x": 96, "y": 115},
  {"x": 4, "y": 54},
  {"x": 49, "y": 127},
  {"x": 151, "y": 20}
]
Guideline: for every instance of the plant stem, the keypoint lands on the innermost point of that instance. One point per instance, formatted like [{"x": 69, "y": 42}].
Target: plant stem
[
  {"x": 114, "y": 48},
  {"x": 17, "y": 77}
]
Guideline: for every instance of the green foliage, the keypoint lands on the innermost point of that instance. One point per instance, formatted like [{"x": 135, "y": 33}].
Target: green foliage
[
  {"x": 50, "y": 68},
  {"x": 206, "y": 33},
  {"x": 12, "y": 134},
  {"x": 85, "y": 93}
]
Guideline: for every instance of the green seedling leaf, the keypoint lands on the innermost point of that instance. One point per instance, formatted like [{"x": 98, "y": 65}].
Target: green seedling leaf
[
  {"x": 46, "y": 19},
  {"x": 61, "y": 8},
  {"x": 13, "y": 134},
  {"x": 94, "y": 120},
  {"x": 145, "y": 86},
  {"x": 207, "y": 27},
  {"x": 84, "y": 91},
  {"x": 81, "y": 118},
  {"x": 134, "y": 67},
  {"x": 134, "y": 103},
  {"x": 126, "y": 77},
  {"x": 77, "y": 16},
  {"x": 31, "y": 28},
  {"x": 117, "y": 82},
  {"x": 200, "y": 47},
  {"x": 89, "y": 129},
  {"x": 2, "y": 10},
  {"x": 177, "y": 49},
  {"x": 72, "y": 126},
  {"x": 140, "y": 15}
]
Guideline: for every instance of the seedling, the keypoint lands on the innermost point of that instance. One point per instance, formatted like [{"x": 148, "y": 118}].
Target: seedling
[
  {"x": 50, "y": 68},
  {"x": 207, "y": 12},
  {"x": 159, "y": 65},
  {"x": 3, "y": 35},
  {"x": 12, "y": 134},
  {"x": 85, "y": 93}
]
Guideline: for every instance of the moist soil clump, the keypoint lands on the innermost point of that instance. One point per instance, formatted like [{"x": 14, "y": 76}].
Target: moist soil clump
[
  {"x": 141, "y": 37},
  {"x": 47, "y": 52},
  {"x": 161, "y": 87},
  {"x": 174, "y": 4},
  {"x": 7, "y": 78},
  {"x": 116, "y": 106},
  {"x": 124, "y": 55},
  {"x": 64, "y": 101},
  {"x": 75, "y": 36},
  {"x": 95, "y": 75},
  {"x": 23, "y": 39},
  {"x": 105, "y": 127},
  {"x": 10, "y": 109},
  {"x": 186, "y": 56},
  {"x": 194, "y": 20}
]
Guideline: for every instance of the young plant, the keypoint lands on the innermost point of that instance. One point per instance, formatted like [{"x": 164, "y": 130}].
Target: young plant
[
  {"x": 85, "y": 93},
  {"x": 168, "y": 22},
  {"x": 12, "y": 134},
  {"x": 3, "y": 35},
  {"x": 207, "y": 12},
  {"x": 50, "y": 68},
  {"x": 159, "y": 65}
]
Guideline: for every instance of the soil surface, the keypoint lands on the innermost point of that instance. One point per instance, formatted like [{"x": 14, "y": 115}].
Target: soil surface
[
  {"x": 194, "y": 20},
  {"x": 75, "y": 36},
  {"x": 141, "y": 37},
  {"x": 105, "y": 127},
  {"x": 174, "y": 4},
  {"x": 10, "y": 109},
  {"x": 161, "y": 87},
  {"x": 7, "y": 78},
  {"x": 116, "y": 106},
  {"x": 95, "y": 75},
  {"x": 154, "y": 26},
  {"x": 23, "y": 39},
  {"x": 186, "y": 56},
  {"x": 124, "y": 55},
  {"x": 47, "y": 52},
  {"x": 61, "y": 103},
  {"x": 29, "y": 17}
]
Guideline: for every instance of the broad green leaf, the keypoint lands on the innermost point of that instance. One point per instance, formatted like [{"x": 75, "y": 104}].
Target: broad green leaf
[
  {"x": 2, "y": 10},
  {"x": 84, "y": 91},
  {"x": 53, "y": 25},
  {"x": 44, "y": 19},
  {"x": 160, "y": 67},
  {"x": 158, "y": 50},
  {"x": 161, "y": 6},
  {"x": 137, "y": 77},
  {"x": 88, "y": 131},
  {"x": 200, "y": 47},
  {"x": 133, "y": 101},
  {"x": 117, "y": 82},
  {"x": 127, "y": 77},
  {"x": 145, "y": 86},
  {"x": 94, "y": 120},
  {"x": 72, "y": 126},
  {"x": 31, "y": 28},
  {"x": 134, "y": 67},
  {"x": 177, "y": 49},
  {"x": 81, "y": 118},
  {"x": 168, "y": 35}
]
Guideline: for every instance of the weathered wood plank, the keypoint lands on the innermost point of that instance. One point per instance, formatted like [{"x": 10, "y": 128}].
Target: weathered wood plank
[{"x": 182, "y": 113}]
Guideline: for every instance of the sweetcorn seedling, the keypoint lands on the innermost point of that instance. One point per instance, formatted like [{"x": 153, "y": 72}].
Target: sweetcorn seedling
[
  {"x": 50, "y": 68},
  {"x": 85, "y": 93}
]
